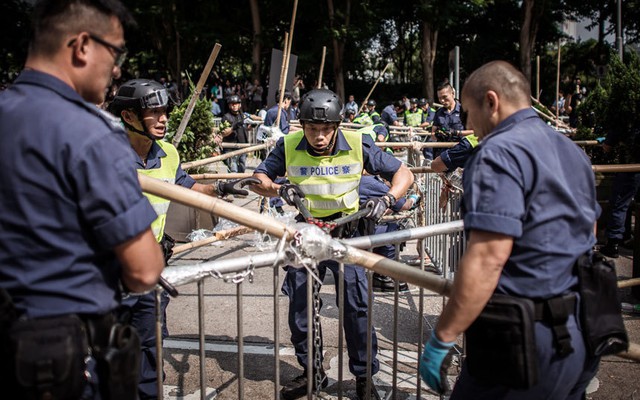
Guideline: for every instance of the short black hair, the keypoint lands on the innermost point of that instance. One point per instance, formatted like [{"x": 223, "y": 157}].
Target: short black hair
[
  {"x": 54, "y": 19},
  {"x": 443, "y": 85},
  {"x": 287, "y": 95}
]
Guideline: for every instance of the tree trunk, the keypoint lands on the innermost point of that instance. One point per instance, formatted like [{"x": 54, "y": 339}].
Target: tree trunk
[
  {"x": 338, "y": 43},
  {"x": 257, "y": 40},
  {"x": 532, "y": 12},
  {"x": 428, "y": 57}
]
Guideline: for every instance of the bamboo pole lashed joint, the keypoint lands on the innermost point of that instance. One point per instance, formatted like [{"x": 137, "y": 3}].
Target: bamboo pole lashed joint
[{"x": 196, "y": 94}]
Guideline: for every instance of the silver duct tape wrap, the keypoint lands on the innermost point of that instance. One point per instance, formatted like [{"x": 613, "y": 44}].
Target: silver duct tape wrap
[
  {"x": 314, "y": 245},
  {"x": 184, "y": 274}
]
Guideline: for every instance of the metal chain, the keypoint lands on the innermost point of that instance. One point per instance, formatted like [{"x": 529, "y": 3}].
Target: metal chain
[
  {"x": 237, "y": 277},
  {"x": 317, "y": 339}
]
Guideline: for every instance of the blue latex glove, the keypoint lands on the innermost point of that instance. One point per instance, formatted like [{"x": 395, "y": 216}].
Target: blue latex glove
[
  {"x": 435, "y": 362},
  {"x": 601, "y": 139}
]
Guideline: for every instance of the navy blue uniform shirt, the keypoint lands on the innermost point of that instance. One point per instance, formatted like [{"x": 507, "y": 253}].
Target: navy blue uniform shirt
[
  {"x": 272, "y": 114},
  {"x": 376, "y": 161},
  {"x": 372, "y": 187},
  {"x": 448, "y": 120},
  {"x": 457, "y": 156},
  {"x": 69, "y": 194},
  {"x": 529, "y": 182},
  {"x": 154, "y": 159},
  {"x": 389, "y": 115}
]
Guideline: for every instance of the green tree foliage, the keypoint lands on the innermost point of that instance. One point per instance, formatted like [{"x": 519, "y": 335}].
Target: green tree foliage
[
  {"x": 14, "y": 20},
  {"x": 197, "y": 140}
]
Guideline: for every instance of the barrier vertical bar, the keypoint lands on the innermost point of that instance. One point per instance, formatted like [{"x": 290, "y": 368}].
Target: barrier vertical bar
[
  {"x": 340, "y": 327},
  {"x": 203, "y": 369},
  {"x": 239, "y": 309}
]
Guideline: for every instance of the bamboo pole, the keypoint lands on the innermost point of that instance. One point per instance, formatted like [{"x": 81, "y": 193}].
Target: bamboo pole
[
  {"x": 232, "y": 175},
  {"x": 217, "y": 236},
  {"x": 216, "y": 206},
  {"x": 558, "y": 84},
  {"x": 538, "y": 77},
  {"x": 196, "y": 94},
  {"x": 285, "y": 59},
  {"x": 629, "y": 283},
  {"x": 616, "y": 168},
  {"x": 210, "y": 160},
  {"x": 283, "y": 68},
  {"x": 324, "y": 53},
  {"x": 373, "y": 87}
]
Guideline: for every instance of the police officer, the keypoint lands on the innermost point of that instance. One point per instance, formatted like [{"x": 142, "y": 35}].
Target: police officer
[
  {"x": 428, "y": 113},
  {"x": 413, "y": 116},
  {"x": 447, "y": 124},
  {"x": 75, "y": 225},
  {"x": 518, "y": 199},
  {"x": 390, "y": 113},
  {"x": 303, "y": 155},
  {"x": 272, "y": 113},
  {"x": 235, "y": 133},
  {"x": 368, "y": 115},
  {"x": 371, "y": 187},
  {"x": 142, "y": 105},
  {"x": 456, "y": 156}
]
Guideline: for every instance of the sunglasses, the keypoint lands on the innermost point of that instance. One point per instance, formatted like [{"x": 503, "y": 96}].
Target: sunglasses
[{"x": 120, "y": 52}]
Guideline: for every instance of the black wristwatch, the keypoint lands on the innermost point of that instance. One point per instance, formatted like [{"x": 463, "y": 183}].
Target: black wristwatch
[{"x": 392, "y": 199}]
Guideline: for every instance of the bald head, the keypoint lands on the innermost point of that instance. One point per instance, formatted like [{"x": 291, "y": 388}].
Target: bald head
[{"x": 502, "y": 78}]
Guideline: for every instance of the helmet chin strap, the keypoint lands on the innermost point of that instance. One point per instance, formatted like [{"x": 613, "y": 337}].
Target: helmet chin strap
[
  {"x": 330, "y": 145},
  {"x": 144, "y": 132}
]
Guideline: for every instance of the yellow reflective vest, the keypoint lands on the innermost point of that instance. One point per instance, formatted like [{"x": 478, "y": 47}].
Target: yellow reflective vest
[
  {"x": 413, "y": 118},
  {"x": 330, "y": 183},
  {"x": 167, "y": 173}
]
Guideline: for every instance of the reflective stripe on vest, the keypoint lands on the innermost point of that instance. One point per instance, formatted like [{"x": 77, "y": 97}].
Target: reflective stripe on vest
[
  {"x": 473, "y": 140},
  {"x": 363, "y": 119},
  {"x": 167, "y": 173},
  {"x": 413, "y": 118},
  {"x": 330, "y": 183}
]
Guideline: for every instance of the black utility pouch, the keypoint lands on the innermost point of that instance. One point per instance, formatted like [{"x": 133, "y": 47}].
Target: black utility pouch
[
  {"x": 119, "y": 363},
  {"x": 600, "y": 316},
  {"x": 49, "y": 356},
  {"x": 501, "y": 346}
]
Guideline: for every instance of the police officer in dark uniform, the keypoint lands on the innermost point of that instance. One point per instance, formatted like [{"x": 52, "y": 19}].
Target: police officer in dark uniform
[
  {"x": 272, "y": 113},
  {"x": 330, "y": 191},
  {"x": 518, "y": 199},
  {"x": 75, "y": 225},
  {"x": 447, "y": 123},
  {"x": 235, "y": 133},
  {"x": 142, "y": 106}
]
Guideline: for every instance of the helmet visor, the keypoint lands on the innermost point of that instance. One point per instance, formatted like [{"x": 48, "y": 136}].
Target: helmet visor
[{"x": 157, "y": 99}]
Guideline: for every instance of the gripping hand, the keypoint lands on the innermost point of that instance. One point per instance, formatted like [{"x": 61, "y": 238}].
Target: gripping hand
[
  {"x": 289, "y": 191},
  {"x": 378, "y": 206},
  {"x": 236, "y": 186},
  {"x": 435, "y": 362}
]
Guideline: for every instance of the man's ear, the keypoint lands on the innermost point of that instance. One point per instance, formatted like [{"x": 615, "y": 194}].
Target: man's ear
[
  {"x": 80, "y": 48},
  {"x": 128, "y": 116},
  {"x": 492, "y": 100}
]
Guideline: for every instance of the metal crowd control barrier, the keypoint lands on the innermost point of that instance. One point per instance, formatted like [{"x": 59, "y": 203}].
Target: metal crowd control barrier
[{"x": 440, "y": 236}]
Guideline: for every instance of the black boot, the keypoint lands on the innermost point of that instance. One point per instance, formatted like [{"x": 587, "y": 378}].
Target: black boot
[
  {"x": 298, "y": 386},
  {"x": 361, "y": 389},
  {"x": 383, "y": 283},
  {"x": 611, "y": 248}
]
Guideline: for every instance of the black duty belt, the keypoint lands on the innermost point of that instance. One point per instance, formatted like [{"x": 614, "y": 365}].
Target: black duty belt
[{"x": 555, "y": 312}]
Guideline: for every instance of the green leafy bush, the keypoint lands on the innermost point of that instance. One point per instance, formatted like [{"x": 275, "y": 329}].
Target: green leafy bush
[{"x": 197, "y": 141}]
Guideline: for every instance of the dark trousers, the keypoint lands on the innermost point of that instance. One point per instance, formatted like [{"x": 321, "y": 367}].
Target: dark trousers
[
  {"x": 143, "y": 310},
  {"x": 559, "y": 378},
  {"x": 355, "y": 314},
  {"x": 625, "y": 186}
]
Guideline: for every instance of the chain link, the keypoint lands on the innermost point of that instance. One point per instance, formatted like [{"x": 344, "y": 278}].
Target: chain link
[
  {"x": 317, "y": 338},
  {"x": 237, "y": 277}
]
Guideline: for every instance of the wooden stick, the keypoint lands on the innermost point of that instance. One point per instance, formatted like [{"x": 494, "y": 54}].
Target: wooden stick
[
  {"x": 196, "y": 94},
  {"x": 217, "y": 236},
  {"x": 232, "y": 175},
  {"x": 283, "y": 72},
  {"x": 286, "y": 58},
  {"x": 629, "y": 283},
  {"x": 216, "y": 206},
  {"x": 373, "y": 87},
  {"x": 324, "y": 53},
  {"x": 210, "y": 160},
  {"x": 538, "y": 77},
  {"x": 558, "y": 84}
]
